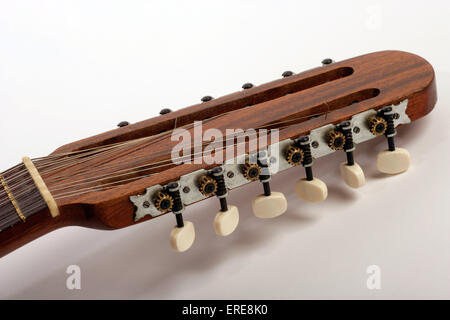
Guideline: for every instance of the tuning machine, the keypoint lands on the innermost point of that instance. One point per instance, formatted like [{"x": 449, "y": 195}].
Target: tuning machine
[
  {"x": 310, "y": 188},
  {"x": 341, "y": 138},
  {"x": 183, "y": 234},
  {"x": 213, "y": 183},
  {"x": 393, "y": 160},
  {"x": 168, "y": 199},
  {"x": 269, "y": 204}
]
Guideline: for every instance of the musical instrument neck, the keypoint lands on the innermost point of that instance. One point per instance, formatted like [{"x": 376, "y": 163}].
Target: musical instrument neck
[{"x": 106, "y": 181}]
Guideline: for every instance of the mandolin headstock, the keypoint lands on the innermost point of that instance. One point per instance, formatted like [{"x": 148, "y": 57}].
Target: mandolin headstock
[{"x": 143, "y": 170}]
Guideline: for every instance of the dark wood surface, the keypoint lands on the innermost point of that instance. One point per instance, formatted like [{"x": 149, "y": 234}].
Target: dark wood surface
[{"x": 373, "y": 80}]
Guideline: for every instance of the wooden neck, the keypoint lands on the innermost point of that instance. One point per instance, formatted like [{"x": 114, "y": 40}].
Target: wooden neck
[
  {"x": 19, "y": 197},
  {"x": 92, "y": 179},
  {"x": 24, "y": 215}
]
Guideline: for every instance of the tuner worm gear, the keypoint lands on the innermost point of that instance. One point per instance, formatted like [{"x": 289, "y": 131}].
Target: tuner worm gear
[
  {"x": 377, "y": 125},
  {"x": 336, "y": 140},
  {"x": 163, "y": 201},
  {"x": 251, "y": 171},
  {"x": 208, "y": 186},
  {"x": 294, "y": 155}
]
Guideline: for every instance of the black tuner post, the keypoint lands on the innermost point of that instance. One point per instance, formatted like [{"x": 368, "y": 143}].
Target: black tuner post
[
  {"x": 123, "y": 124},
  {"x": 221, "y": 192},
  {"x": 264, "y": 177},
  {"x": 165, "y": 111},
  {"x": 327, "y": 61},
  {"x": 206, "y": 98},
  {"x": 387, "y": 114},
  {"x": 307, "y": 162},
  {"x": 287, "y": 74},
  {"x": 346, "y": 128},
  {"x": 173, "y": 189}
]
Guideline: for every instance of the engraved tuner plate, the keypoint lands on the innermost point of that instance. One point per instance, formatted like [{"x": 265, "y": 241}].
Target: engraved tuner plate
[{"x": 190, "y": 192}]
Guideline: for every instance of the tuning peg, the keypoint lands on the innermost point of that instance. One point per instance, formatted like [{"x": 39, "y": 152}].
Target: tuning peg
[
  {"x": 182, "y": 237},
  {"x": 353, "y": 175},
  {"x": 270, "y": 204},
  {"x": 393, "y": 160},
  {"x": 183, "y": 234},
  {"x": 225, "y": 222},
  {"x": 227, "y": 219},
  {"x": 342, "y": 138},
  {"x": 309, "y": 189}
]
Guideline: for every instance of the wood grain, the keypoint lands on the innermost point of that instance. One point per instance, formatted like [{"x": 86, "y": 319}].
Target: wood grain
[{"x": 372, "y": 81}]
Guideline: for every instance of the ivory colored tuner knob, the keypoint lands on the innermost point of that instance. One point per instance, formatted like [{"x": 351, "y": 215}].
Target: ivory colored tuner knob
[
  {"x": 266, "y": 207},
  {"x": 182, "y": 238},
  {"x": 313, "y": 191},
  {"x": 393, "y": 162},
  {"x": 226, "y": 222},
  {"x": 353, "y": 175}
]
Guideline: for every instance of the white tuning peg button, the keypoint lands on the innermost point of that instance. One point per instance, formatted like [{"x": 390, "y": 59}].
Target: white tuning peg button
[
  {"x": 311, "y": 190},
  {"x": 393, "y": 162},
  {"x": 182, "y": 238},
  {"x": 353, "y": 175},
  {"x": 226, "y": 222},
  {"x": 270, "y": 206}
]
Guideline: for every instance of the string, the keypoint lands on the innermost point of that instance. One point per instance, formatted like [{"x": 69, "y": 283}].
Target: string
[
  {"x": 151, "y": 165},
  {"x": 116, "y": 182},
  {"x": 97, "y": 149},
  {"x": 164, "y": 152},
  {"x": 148, "y": 166},
  {"x": 110, "y": 177}
]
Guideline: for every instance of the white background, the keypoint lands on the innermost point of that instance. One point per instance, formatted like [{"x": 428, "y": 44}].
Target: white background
[{"x": 72, "y": 69}]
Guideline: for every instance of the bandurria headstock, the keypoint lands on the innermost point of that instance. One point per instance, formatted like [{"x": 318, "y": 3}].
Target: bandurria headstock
[{"x": 141, "y": 171}]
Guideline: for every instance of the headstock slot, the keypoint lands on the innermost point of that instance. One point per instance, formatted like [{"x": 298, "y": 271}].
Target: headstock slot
[
  {"x": 337, "y": 92},
  {"x": 216, "y": 107},
  {"x": 257, "y": 95},
  {"x": 325, "y": 108}
]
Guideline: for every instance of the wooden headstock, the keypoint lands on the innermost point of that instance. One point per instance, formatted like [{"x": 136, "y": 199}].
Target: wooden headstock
[{"x": 112, "y": 180}]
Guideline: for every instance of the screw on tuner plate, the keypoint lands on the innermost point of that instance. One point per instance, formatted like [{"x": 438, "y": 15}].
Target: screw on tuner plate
[
  {"x": 269, "y": 204},
  {"x": 393, "y": 160},
  {"x": 309, "y": 189}
]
